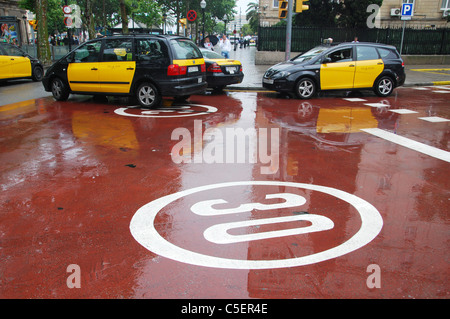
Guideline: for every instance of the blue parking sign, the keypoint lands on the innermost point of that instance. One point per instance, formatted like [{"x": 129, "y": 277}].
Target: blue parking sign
[{"x": 407, "y": 10}]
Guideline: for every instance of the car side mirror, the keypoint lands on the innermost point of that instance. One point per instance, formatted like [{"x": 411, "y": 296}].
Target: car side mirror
[
  {"x": 326, "y": 60},
  {"x": 70, "y": 58}
]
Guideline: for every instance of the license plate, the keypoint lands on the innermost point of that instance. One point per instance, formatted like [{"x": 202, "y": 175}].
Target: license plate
[
  {"x": 268, "y": 81},
  {"x": 231, "y": 69},
  {"x": 192, "y": 69},
  {"x": 200, "y": 80}
]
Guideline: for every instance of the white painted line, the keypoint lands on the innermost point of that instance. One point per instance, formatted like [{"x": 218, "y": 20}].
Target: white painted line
[
  {"x": 434, "y": 119},
  {"x": 403, "y": 111},
  {"x": 377, "y": 104},
  {"x": 355, "y": 99},
  {"x": 442, "y": 87},
  {"x": 406, "y": 142},
  {"x": 421, "y": 89},
  {"x": 440, "y": 91}
]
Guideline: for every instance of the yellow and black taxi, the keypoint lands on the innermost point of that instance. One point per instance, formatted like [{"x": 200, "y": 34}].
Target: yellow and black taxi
[
  {"x": 221, "y": 72},
  {"x": 17, "y": 64},
  {"x": 347, "y": 66},
  {"x": 145, "y": 66}
]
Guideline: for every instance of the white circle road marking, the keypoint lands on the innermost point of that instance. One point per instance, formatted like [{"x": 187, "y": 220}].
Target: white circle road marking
[
  {"x": 143, "y": 230},
  {"x": 156, "y": 112}
]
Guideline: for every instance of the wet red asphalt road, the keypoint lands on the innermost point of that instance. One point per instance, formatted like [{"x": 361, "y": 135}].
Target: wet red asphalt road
[{"x": 95, "y": 184}]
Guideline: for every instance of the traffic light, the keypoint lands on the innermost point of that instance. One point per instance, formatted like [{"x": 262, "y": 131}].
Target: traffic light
[
  {"x": 33, "y": 23},
  {"x": 183, "y": 22},
  {"x": 300, "y": 7},
  {"x": 282, "y": 9}
]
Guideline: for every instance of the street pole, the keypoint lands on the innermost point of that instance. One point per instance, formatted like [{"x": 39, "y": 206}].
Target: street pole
[
  {"x": 288, "y": 31},
  {"x": 69, "y": 35},
  {"x": 403, "y": 36}
]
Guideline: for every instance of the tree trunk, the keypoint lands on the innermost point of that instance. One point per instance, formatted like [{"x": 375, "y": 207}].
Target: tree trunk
[
  {"x": 124, "y": 17},
  {"x": 43, "y": 46}
]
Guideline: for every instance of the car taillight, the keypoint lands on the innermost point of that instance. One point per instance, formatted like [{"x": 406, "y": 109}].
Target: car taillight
[
  {"x": 203, "y": 67},
  {"x": 214, "y": 68},
  {"x": 175, "y": 69},
  {"x": 240, "y": 69},
  {"x": 403, "y": 64}
]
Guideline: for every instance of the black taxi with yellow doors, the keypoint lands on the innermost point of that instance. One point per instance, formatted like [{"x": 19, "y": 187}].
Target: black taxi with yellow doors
[
  {"x": 347, "y": 66},
  {"x": 145, "y": 66},
  {"x": 17, "y": 64}
]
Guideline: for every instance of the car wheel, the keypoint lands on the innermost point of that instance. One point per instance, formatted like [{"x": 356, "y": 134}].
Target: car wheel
[
  {"x": 384, "y": 86},
  {"x": 38, "y": 73},
  {"x": 148, "y": 95},
  {"x": 59, "y": 90},
  {"x": 305, "y": 88}
]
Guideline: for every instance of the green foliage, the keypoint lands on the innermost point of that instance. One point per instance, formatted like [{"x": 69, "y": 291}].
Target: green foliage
[
  {"x": 321, "y": 13},
  {"x": 252, "y": 16},
  {"x": 353, "y": 13},
  {"x": 326, "y": 13}
]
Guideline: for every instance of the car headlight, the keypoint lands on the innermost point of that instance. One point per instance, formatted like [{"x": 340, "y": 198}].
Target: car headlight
[{"x": 282, "y": 74}]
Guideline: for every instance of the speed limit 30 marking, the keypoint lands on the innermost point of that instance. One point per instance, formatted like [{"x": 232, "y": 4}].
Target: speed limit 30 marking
[
  {"x": 187, "y": 110},
  {"x": 143, "y": 229}
]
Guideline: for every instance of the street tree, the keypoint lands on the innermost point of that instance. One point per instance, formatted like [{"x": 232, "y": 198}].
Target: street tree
[
  {"x": 252, "y": 16},
  {"x": 40, "y": 8},
  {"x": 321, "y": 13},
  {"x": 353, "y": 13}
]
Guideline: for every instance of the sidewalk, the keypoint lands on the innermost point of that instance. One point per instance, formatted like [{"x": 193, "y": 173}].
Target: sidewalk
[{"x": 416, "y": 75}]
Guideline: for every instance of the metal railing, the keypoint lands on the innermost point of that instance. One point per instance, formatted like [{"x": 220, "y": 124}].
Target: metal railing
[
  {"x": 57, "y": 51},
  {"x": 416, "y": 41}
]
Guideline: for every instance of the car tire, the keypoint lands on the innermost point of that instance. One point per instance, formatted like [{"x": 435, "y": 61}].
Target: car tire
[
  {"x": 147, "y": 95},
  {"x": 384, "y": 86},
  {"x": 38, "y": 73},
  {"x": 60, "y": 91},
  {"x": 305, "y": 88}
]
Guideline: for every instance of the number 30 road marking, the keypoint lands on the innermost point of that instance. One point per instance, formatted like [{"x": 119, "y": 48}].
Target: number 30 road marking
[
  {"x": 143, "y": 230},
  {"x": 218, "y": 233}
]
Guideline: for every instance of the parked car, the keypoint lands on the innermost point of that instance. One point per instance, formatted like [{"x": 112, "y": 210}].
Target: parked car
[
  {"x": 221, "y": 72},
  {"x": 17, "y": 64},
  {"x": 145, "y": 66},
  {"x": 346, "y": 66}
]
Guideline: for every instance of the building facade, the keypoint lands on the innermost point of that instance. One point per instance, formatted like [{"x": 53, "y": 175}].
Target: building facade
[
  {"x": 427, "y": 13},
  {"x": 14, "y": 23}
]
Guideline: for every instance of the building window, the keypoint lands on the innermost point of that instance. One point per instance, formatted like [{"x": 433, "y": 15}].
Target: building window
[
  {"x": 275, "y": 4},
  {"x": 408, "y": 1},
  {"x": 445, "y": 5}
]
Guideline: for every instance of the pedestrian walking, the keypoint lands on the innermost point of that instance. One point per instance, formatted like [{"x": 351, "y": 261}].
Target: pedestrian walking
[
  {"x": 225, "y": 45},
  {"x": 208, "y": 45}
]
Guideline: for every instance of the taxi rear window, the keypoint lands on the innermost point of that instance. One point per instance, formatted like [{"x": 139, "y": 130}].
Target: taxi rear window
[{"x": 185, "y": 49}]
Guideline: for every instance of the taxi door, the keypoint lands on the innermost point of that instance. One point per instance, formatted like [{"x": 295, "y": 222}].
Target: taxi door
[
  {"x": 368, "y": 66},
  {"x": 116, "y": 71},
  {"x": 20, "y": 67},
  {"x": 5, "y": 67},
  {"x": 337, "y": 70},
  {"x": 82, "y": 73},
  {"x": 15, "y": 63}
]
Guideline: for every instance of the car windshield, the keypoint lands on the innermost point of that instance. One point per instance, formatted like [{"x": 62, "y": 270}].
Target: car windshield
[
  {"x": 185, "y": 49},
  {"x": 310, "y": 54},
  {"x": 208, "y": 54}
]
